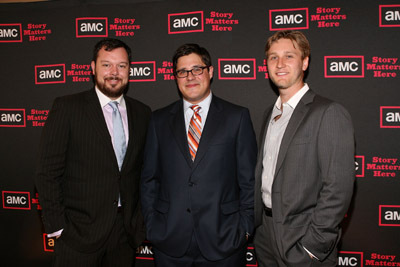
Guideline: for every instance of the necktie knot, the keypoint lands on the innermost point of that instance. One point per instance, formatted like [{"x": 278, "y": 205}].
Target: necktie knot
[{"x": 114, "y": 105}]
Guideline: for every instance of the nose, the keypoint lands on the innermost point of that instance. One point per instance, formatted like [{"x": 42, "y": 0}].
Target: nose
[
  {"x": 280, "y": 63},
  {"x": 114, "y": 70}
]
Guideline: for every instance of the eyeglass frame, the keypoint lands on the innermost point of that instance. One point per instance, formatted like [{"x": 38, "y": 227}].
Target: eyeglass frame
[{"x": 191, "y": 71}]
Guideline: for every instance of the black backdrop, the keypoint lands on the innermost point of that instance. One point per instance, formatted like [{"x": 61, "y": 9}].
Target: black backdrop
[{"x": 45, "y": 48}]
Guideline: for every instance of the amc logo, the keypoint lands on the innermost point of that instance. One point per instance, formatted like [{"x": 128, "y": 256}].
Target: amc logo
[
  {"x": 350, "y": 258},
  {"x": 390, "y": 117},
  {"x": 143, "y": 71},
  {"x": 16, "y": 200},
  {"x": 389, "y": 215},
  {"x": 288, "y": 19},
  {"x": 45, "y": 74},
  {"x": 185, "y": 22},
  {"x": 144, "y": 251},
  {"x": 360, "y": 166},
  {"x": 237, "y": 69},
  {"x": 344, "y": 66},
  {"x": 48, "y": 243},
  {"x": 12, "y": 117},
  {"x": 251, "y": 257},
  {"x": 10, "y": 33},
  {"x": 91, "y": 27},
  {"x": 389, "y": 16}
]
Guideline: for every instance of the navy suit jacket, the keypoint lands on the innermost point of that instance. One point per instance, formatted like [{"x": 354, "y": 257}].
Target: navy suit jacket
[{"x": 211, "y": 197}]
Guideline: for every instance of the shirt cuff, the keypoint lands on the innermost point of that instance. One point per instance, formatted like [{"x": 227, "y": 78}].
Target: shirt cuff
[
  {"x": 55, "y": 233},
  {"x": 312, "y": 255}
]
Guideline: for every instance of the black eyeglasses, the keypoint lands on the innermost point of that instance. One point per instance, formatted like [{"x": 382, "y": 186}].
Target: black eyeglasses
[{"x": 196, "y": 71}]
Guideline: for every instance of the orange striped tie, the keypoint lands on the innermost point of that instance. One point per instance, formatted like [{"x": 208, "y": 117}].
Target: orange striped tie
[{"x": 194, "y": 132}]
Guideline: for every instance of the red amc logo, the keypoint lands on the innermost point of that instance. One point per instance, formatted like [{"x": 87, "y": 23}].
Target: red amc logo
[
  {"x": 12, "y": 117},
  {"x": 360, "y": 166},
  {"x": 351, "y": 258},
  {"x": 288, "y": 19},
  {"x": 46, "y": 74},
  {"x": 185, "y": 22},
  {"x": 142, "y": 71},
  {"x": 389, "y": 15},
  {"x": 390, "y": 117},
  {"x": 344, "y": 66},
  {"x": 10, "y": 33},
  {"x": 91, "y": 27},
  {"x": 389, "y": 215},
  {"x": 237, "y": 69},
  {"x": 16, "y": 200},
  {"x": 251, "y": 258}
]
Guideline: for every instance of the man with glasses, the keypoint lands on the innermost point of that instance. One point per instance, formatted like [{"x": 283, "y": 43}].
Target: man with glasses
[{"x": 198, "y": 175}]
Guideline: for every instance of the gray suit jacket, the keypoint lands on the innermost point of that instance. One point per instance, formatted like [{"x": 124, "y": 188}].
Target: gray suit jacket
[{"x": 313, "y": 181}]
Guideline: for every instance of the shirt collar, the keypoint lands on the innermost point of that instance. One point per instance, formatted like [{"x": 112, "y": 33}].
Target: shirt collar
[
  {"x": 104, "y": 100},
  {"x": 294, "y": 100},
  {"x": 205, "y": 104}
]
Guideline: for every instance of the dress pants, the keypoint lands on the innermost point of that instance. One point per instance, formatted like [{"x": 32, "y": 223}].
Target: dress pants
[
  {"x": 194, "y": 258},
  {"x": 116, "y": 252},
  {"x": 267, "y": 252}
]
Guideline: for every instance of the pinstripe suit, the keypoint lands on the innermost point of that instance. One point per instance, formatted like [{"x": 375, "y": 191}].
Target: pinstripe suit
[
  {"x": 77, "y": 177},
  {"x": 313, "y": 183}
]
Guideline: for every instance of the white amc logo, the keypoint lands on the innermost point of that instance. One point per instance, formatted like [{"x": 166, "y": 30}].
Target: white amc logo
[
  {"x": 390, "y": 117},
  {"x": 16, "y": 200},
  {"x": 12, "y": 118},
  {"x": 142, "y": 71},
  {"x": 46, "y": 74},
  {"x": 296, "y": 18},
  {"x": 10, "y": 33},
  {"x": 91, "y": 27},
  {"x": 344, "y": 66},
  {"x": 185, "y": 22},
  {"x": 350, "y": 258},
  {"x": 389, "y": 215},
  {"x": 236, "y": 69},
  {"x": 389, "y": 15}
]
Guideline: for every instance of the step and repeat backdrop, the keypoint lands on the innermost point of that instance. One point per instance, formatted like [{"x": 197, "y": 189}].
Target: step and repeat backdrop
[{"x": 46, "y": 49}]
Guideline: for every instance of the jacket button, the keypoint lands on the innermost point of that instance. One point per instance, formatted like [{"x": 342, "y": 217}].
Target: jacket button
[
  {"x": 191, "y": 184},
  {"x": 115, "y": 202},
  {"x": 188, "y": 210}
]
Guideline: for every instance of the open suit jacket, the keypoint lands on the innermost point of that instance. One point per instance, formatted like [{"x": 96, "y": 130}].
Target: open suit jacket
[
  {"x": 211, "y": 197},
  {"x": 313, "y": 181},
  {"x": 78, "y": 178}
]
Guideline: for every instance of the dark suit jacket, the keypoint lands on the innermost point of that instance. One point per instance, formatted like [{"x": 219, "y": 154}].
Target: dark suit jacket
[
  {"x": 313, "y": 181},
  {"x": 211, "y": 197},
  {"x": 78, "y": 178}
]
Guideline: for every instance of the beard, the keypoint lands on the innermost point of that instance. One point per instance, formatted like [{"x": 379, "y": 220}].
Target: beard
[{"x": 111, "y": 90}]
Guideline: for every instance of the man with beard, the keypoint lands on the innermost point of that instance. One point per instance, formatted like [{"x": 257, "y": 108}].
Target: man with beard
[{"x": 89, "y": 165}]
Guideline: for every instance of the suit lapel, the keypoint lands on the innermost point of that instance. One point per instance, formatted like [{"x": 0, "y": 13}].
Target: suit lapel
[
  {"x": 297, "y": 117},
  {"x": 178, "y": 128},
  {"x": 96, "y": 118}
]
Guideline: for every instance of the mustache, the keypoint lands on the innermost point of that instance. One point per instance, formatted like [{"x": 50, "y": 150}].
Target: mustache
[{"x": 112, "y": 78}]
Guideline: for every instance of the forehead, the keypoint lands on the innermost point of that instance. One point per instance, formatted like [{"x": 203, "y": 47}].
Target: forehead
[
  {"x": 117, "y": 54},
  {"x": 189, "y": 60},
  {"x": 285, "y": 45}
]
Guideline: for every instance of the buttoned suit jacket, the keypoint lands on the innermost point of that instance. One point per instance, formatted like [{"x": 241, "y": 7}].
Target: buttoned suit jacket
[
  {"x": 211, "y": 197},
  {"x": 78, "y": 178},
  {"x": 313, "y": 181}
]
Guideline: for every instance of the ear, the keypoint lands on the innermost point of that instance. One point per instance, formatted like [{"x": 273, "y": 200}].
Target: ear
[
  {"x": 211, "y": 71},
  {"x": 305, "y": 63},
  {"x": 93, "y": 65}
]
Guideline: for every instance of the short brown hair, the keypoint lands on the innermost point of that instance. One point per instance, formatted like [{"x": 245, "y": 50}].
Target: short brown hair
[{"x": 294, "y": 36}]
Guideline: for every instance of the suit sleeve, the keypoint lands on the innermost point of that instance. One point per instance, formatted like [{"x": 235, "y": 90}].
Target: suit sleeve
[
  {"x": 246, "y": 156},
  {"x": 51, "y": 165},
  {"x": 149, "y": 179},
  {"x": 336, "y": 162}
]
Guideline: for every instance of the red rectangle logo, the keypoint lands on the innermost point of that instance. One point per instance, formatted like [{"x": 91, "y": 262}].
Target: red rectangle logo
[
  {"x": 237, "y": 69},
  {"x": 351, "y": 258},
  {"x": 344, "y": 66},
  {"x": 288, "y": 19},
  {"x": 390, "y": 117},
  {"x": 185, "y": 22},
  {"x": 389, "y": 15},
  {"x": 142, "y": 71},
  {"x": 91, "y": 27},
  {"x": 12, "y": 117},
  {"x": 360, "y": 166},
  {"x": 11, "y": 33},
  {"x": 16, "y": 200},
  {"x": 389, "y": 215},
  {"x": 47, "y": 74}
]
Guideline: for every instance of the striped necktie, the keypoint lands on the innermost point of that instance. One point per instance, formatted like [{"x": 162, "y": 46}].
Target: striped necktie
[{"x": 194, "y": 132}]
